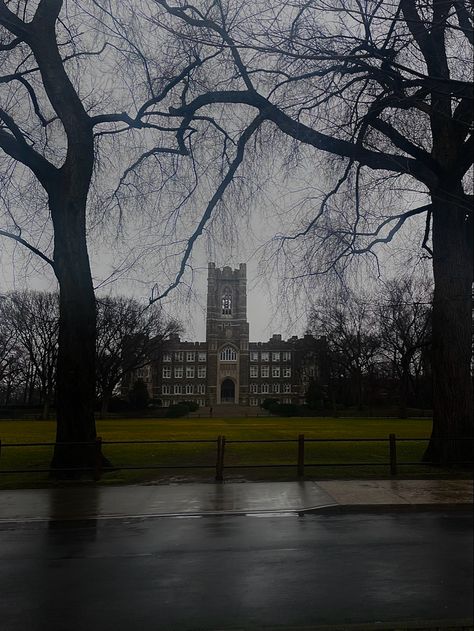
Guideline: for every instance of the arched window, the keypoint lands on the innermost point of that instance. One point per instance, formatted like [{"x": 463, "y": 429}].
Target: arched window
[
  {"x": 228, "y": 354},
  {"x": 227, "y": 302}
]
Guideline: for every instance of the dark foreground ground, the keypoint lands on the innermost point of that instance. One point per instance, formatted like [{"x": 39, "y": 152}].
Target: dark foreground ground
[{"x": 235, "y": 572}]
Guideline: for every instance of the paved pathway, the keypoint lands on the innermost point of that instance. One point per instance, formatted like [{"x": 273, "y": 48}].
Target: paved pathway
[{"x": 250, "y": 497}]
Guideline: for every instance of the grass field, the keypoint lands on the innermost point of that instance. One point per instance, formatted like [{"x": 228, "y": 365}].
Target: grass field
[{"x": 237, "y": 454}]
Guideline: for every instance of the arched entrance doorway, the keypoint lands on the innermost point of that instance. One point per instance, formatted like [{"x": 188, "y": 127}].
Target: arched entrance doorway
[{"x": 227, "y": 391}]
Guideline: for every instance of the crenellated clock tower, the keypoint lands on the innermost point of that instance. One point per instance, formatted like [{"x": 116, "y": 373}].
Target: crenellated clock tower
[{"x": 227, "y": 335}]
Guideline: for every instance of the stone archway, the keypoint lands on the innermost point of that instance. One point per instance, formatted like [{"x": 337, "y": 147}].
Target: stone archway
[{"x": 228, "y": 391}]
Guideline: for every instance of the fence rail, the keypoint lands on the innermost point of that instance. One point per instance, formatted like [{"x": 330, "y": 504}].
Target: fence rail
[{"x": 393, "y": 463}]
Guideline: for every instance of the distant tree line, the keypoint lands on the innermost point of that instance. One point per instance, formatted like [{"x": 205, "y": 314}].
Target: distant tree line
[
  {"x": 378, "y": 349},
  {"x": 128, "y": 336}
]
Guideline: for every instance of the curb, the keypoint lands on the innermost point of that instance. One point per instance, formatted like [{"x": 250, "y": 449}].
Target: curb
[
  {"x": 402, "y": 625},
  {"x": 382, "y": 508},
  {"x": 326, "y": 509}
]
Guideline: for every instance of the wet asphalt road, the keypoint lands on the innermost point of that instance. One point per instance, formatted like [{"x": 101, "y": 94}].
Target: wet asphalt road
[{"x": 235, "y": 572}]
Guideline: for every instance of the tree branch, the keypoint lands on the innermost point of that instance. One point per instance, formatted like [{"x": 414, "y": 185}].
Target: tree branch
[
  {"x": 13, "y": 23},
  {"x": 464, "y": 20},
  {"x": 17, "y": 148},
  {"x": 393, "y": 231},
  {"x": 15, "y": 237},
  {"x": 144, "y": 156},
  {"x": 294, "y": 128},
  {"x": 216, "y": 198},
  {"x": 426, "y": 236},
  {"x": 11, "y": 45},
  {"x": 207, "y": 23}
]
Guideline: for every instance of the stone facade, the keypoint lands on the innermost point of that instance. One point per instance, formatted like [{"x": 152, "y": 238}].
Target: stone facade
[{"x": 227, "y": 369}]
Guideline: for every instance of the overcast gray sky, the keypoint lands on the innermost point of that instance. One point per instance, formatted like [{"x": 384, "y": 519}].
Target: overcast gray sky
[{"x": 274, "y": 186}]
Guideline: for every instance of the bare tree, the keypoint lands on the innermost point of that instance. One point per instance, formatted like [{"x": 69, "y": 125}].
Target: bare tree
[
  {"x": 31, "y": 317},
  {"x": 405, "y": 330},
  {"x": 56, "y": 113},
  {"x": 387, "y": 87},
  {"x": 10, "y": 356},
  {"x": 128, "y": 338},
  {"x": 348, "y": 324}
]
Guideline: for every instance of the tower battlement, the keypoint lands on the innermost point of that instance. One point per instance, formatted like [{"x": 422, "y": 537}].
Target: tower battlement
[
  {"x": 226, "y": 294},
  {"x": 227, "y": 333}
]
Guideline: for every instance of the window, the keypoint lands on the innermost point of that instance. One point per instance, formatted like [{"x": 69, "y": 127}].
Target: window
[
  {"x": 254, "y": 356},
  {"x": 178, "y": 357},
  {"x": 275, "y": 371},
  {"x": 253, "y": 401},
  {"x": 264, "y": 388},
  {"x": 201, "y": 403},
  {"x": 201, "y": 356},
  {"x": 166, "y": 372},
  {"x": 228, "y": 354},
  {"x": 286, "y": 387},
  {"x": 189, "y": 372},
  {"x": 254, "y": 387},
  {"x": 227, "y": 302},
  {"x": 166, "y": 403},
  {"x": 276, "y": 387},
  {"x": 265, "y": 371},
  {"x": 201, "y": 388},
  {"x": 143, "y": 372},
  {"x": 178, "y": 372},
  {"x": 201, "y": 372},
  {"x": 275, "y": 357},
  {"x": 264, "y": 356},
  {"x": 177, "y": 389},
  {"x": 189, "y": 388},
  {"x": 287, "y": 356},
  {"x": 166, "y": 357},
  {"x": 165, "y": 389},
  {"x": 254, "y": 371},
  {"x": 190, "y": 356},
  {"x": 286, "y": 400},
  {"x": 287, "y": 372}
]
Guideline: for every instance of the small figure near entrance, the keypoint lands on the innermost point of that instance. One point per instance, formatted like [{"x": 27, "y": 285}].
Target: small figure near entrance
[
  {"x": 210, "y": 412},
  {"x": 228, "y": 391}
]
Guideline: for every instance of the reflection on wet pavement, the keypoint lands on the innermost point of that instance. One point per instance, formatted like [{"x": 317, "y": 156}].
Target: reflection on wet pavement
[{"x": 99, "y": 501}]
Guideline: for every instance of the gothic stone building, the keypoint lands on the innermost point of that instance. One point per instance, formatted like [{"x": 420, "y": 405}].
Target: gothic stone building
[{"x": 227, "y": 368}]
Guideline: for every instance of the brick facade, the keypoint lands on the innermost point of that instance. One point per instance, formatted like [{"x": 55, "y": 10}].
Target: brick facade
[{"x": 227, "y": 368}]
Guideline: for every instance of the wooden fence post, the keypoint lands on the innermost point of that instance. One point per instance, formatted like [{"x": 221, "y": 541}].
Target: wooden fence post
[
  {"x": 98, "y": 459},
  {"x": 393, "y": 454},
  {"x": 218, "y": 459},
  {"x": 301, "y": 455},
  {"x": 222, "y": 458}
]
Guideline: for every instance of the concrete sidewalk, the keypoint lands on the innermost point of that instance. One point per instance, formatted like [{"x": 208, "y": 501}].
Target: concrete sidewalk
[{"x": 229, "y": 498}]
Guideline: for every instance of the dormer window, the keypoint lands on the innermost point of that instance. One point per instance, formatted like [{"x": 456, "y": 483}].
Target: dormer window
[{"x": 227, "y": 302}]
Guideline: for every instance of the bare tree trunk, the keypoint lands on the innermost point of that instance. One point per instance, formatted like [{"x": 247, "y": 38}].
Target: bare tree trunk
[
  {"x": 360, "y": 390},
  {"x": 76, "y": 352},
  {"x": 45, "y": 412},
  {"x": 26, "y": 386},
  {"x": 31, "y": 387},
  {"x": 403, "y": 389},
  {"x": 452, "y": 330},
  {"x": 104, "y": 404},
  {"x": 8, "y": 392}
]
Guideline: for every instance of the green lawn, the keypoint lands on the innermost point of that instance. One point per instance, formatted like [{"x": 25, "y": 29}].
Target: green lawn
[{"x": 185, "y": 454}]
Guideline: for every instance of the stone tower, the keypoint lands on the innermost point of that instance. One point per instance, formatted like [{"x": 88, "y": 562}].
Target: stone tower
[{"x": 227, "y": 335}]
